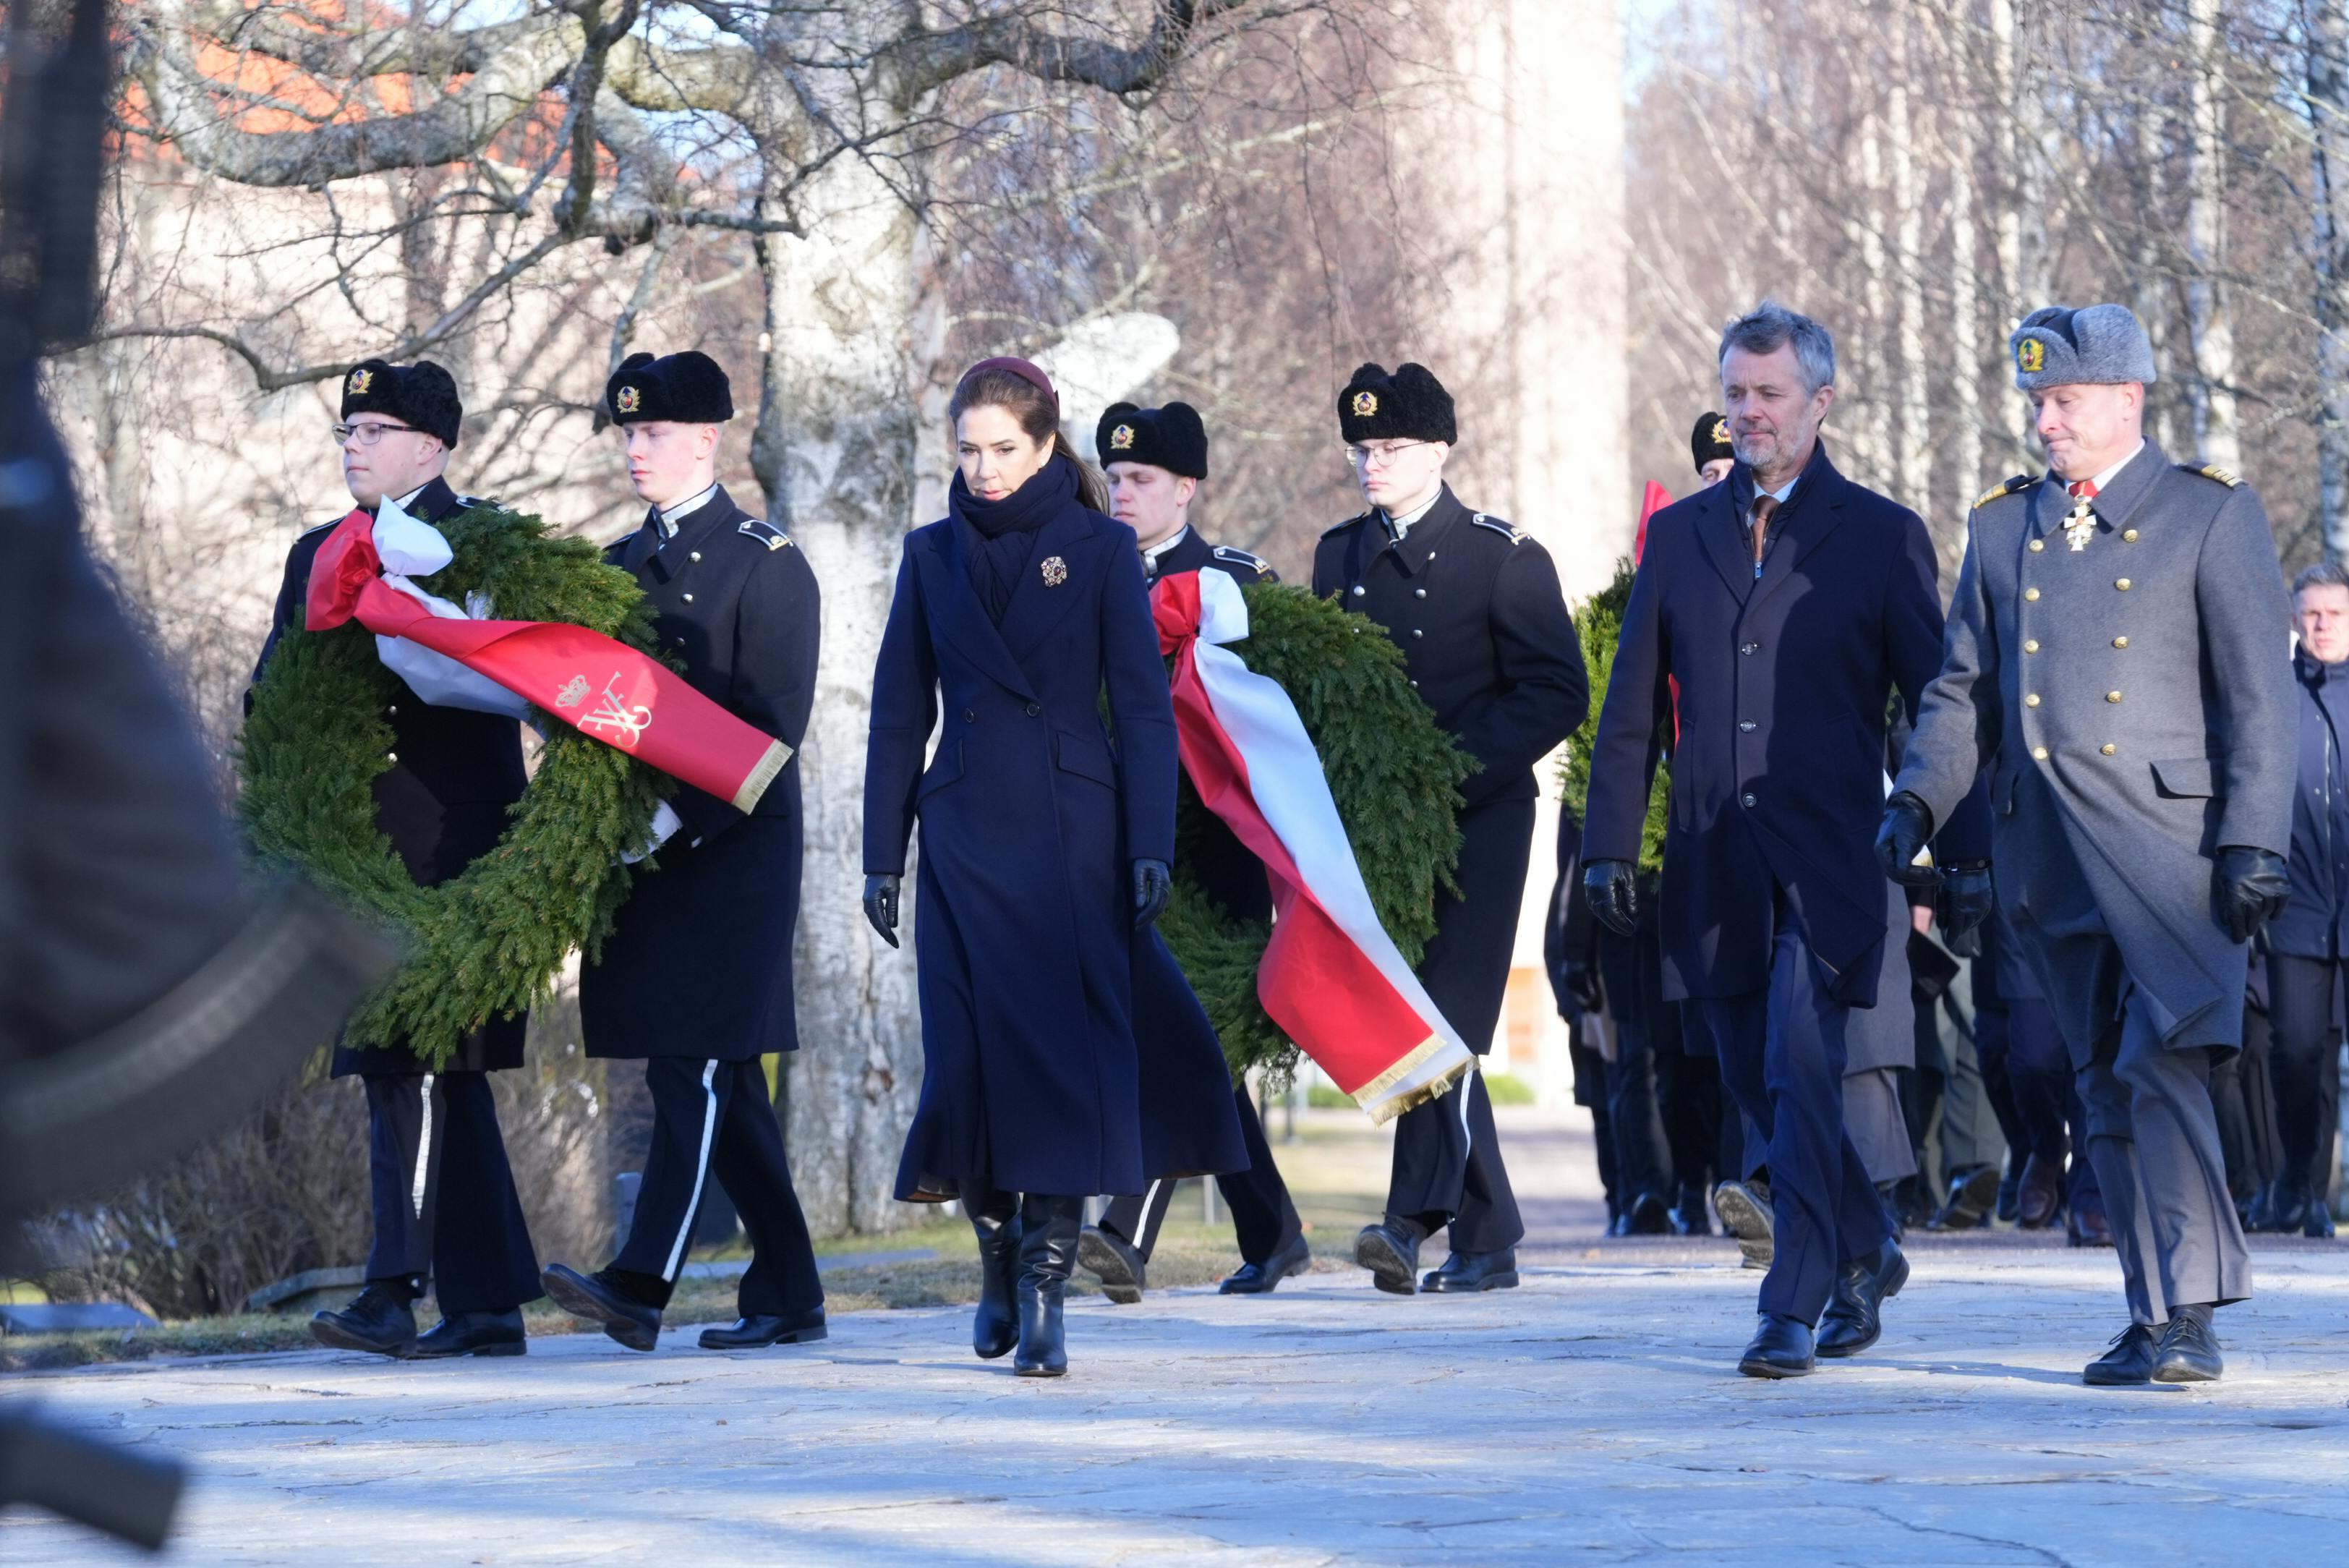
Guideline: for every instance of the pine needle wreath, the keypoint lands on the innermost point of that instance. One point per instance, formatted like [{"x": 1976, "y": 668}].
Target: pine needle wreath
[
  {"x": 1394, "y": 774},
  {"x": 489, "y": 941},
  {"x": 1599, "y": 623}
]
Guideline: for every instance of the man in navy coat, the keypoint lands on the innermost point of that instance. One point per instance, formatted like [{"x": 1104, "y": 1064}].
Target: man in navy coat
[
  {"x": 1155, "y": 460},
  {"x": 1788, "y": 603},
  {"x": 696, "y": 978}
]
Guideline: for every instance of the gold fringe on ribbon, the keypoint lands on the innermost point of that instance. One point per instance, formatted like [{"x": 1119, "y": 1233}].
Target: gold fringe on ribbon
[
  {"x": 759, "y": 777},
  {"x": 1383, "y": 1100}
]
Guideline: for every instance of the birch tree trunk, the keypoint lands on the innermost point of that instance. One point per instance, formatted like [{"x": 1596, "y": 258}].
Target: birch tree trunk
[
  {"x": 1965, "y": 325},
  {"x": 1911, "y": 428},
  {"x": 2328, "y": 94},
  {"x": 2215, "y": 427}
]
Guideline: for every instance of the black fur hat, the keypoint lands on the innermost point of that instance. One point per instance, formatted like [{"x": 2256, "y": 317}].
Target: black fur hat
[
  {"x": 688, "y": 388},
  {"x": 1410, "y": 405},
  {"x": 422, "y": 395},
  {"x": 1170, "y": 437},
  {"x": 1710, "y": 440}
]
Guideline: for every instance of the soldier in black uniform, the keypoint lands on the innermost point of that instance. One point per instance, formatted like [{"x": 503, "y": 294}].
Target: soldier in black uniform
[
  {"x": 1474, "y": 605},
  {"x": 695, "y": 980},
  {"x": 1155, "y": 460},
  {"x": 442, "y": 803}
]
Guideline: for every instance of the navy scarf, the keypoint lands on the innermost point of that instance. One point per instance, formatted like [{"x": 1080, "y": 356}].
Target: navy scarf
[{"x": 997, "y": 537}]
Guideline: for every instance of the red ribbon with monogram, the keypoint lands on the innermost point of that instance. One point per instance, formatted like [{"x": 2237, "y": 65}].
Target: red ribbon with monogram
[{"x": 603, "y": 688}]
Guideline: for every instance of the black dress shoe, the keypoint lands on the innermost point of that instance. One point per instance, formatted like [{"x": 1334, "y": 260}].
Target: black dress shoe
[
  {"x": 1972, "y": 1196},
  {"x": 1390, "y": 1249},
  {"x": 2189, "y": 1351},
  {"x": 1496, "y": 1271},
  {"x": 474, "y": 1333},
  {"x": 2084, "y": 1225},
  {"x": 1744, "y": 1210},
  {"x": 2318, "y": 1226},
  {"x": 1260, "y": 1279},
  {"x": 1691, "y": 1216},
  {"x": 1854, "y": 1314},
  {"x": 380, "y": 1320},
  {"x": 1123, "y": 1272},
  {"x": 1047, "y": 1254},
  {"x": 995, "y": 1216},
  {"x": 762, "y": 1329},
  {"x": 599, "y": 1298},
  {"x": 1649, "y": 1216},
  {"x": 2039, "y": 1197},
  {"x": 2129, "y": 1361},
  {"x": 1781, "y": 1347},
  {"x": 2010, "y": 1196}
]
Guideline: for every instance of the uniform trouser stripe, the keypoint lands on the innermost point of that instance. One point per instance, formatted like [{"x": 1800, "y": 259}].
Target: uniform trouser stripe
[
  {"x": 700, "y": 1170},
  {"x": 416, "y": 1187}
]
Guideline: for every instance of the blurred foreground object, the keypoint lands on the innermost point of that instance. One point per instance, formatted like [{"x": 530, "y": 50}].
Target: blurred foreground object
[{"x": 147, "y": 996}]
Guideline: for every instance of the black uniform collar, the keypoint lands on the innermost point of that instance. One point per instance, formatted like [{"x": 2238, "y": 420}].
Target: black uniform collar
[
  {"x": 1420, "y": 543},
  {"x": 432, "y": 503},
  {"x": 1186, "y": 553},
  {"x": 656, "y": 548}
]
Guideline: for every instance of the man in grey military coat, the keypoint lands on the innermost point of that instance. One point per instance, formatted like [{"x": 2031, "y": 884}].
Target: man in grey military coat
[{"x": 2116, "y": 658}]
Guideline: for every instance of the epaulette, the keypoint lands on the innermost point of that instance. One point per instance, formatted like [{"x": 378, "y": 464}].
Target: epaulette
[
  {"x": 470, "y": 502},
  {"x": 1241, "y": 558},
  {"x": 1514, "y": 535},
  {"x": 766, "y": 533},
  {"x": 314, "y": 527},
  {"x": 1349, "y": 522},
  {"x": 2005, "y": 487},
  {"x": 2225, "y": 476}
]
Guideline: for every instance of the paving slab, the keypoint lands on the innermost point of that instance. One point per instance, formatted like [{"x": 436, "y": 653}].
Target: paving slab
[{"x": 1592, "y": 1414}]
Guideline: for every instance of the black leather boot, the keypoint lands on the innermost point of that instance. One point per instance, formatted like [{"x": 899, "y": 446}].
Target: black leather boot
[
  {"x": 995, "y": 1216},
  {"x": 1048, "y": 1251}
]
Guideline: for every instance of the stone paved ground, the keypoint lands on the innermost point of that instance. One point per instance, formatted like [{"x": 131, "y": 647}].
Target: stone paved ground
[{"x": 1591, "y": 1415}]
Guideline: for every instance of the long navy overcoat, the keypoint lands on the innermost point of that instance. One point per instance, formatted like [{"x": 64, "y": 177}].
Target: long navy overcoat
[
  {"x": 1048, "y": 1021},
  {"x": 1785, "y": 682}
]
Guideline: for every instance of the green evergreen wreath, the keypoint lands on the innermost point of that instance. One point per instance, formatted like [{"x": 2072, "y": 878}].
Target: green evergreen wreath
[
  {"x": 1394, "y": 775},
  {"x": 1599, "y": 623},
  {"x": 489, "y": 942}
]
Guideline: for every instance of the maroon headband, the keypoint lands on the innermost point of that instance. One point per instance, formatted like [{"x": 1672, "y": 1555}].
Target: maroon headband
[{"x": 1021, "y": 369}]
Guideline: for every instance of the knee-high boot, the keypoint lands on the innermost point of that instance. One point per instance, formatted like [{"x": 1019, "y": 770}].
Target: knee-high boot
[
  {"x": 995, "y": 1216},
  {"x": 1048, "y": 1251}
]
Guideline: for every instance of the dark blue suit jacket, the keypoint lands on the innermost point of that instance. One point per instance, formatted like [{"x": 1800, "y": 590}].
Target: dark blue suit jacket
[{"x": 1784, "y": 689}]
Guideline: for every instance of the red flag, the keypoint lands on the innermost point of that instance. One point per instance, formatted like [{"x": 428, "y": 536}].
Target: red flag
[
  {"x": 1654, "y": 501},
  {"x": 605, "y": 690}
]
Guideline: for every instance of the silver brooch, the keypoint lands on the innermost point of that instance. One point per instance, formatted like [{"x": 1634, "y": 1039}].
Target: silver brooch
[{"x": 1056, "y": 571}]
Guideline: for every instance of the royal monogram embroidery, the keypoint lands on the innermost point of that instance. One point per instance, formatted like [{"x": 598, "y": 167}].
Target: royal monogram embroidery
[
  {"x": 620, "y": 722},
  {"x": 574, "y": 691}
]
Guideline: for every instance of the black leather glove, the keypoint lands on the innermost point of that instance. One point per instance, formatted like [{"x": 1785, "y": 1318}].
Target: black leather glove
[
  {"x": 1907, "y": 827},
  {"x": 881, "y": 907},
  {"x": 1153, "y": 885},
  {"x": 2252, "y": 887},
  {"x": 1611, "y": 887},
  {"x": 1583, "y": 988},
  {"x": 1961, "y": 906}
]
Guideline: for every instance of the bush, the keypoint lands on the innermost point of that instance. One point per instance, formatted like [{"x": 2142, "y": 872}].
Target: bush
[{"x": 1507, "y": 1089}]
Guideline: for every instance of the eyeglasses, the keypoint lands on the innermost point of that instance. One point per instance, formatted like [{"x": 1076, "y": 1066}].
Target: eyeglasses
[
  {"x": 1379, "y": 456},
  {"x": 369, "y": 433}
]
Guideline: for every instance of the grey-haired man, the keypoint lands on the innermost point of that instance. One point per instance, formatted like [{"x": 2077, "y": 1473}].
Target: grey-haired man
[{"x": 2115, "y": 660}]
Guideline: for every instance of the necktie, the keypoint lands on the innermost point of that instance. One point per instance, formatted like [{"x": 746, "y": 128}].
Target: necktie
[
  {"x": 1765, "y": 508},
  {"x": 2085, "y": 488}
]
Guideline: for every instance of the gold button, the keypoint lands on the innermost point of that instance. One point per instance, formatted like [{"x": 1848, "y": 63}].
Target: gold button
[
  {"x": 2030, "y": 594},
  {"x": 2037, "y": 546},
  {"x": 2031, "y": 645},
  {"x": 2120, "y": 643},
  {"x": 2032, "y": 701},
  {"x": 2128, "y": 536},
  {"x": 2039, "y": 753},
  {"x": 2108, "y": 748},
  {"x": 2112, "y": 696},
  {"x": 2122, "y": 585}
]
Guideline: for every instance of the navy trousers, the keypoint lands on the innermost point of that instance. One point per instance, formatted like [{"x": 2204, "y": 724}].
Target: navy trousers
[
  {"x": 1263, "y": 1217},
  {"x": 426, "y": 1132},
  {"x": 713, "y": 1118},
  {"x": 1782, "y": 1059}
]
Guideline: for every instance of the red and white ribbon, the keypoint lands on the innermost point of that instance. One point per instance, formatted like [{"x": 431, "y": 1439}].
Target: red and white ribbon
[{"x": 1330, "y": 977}]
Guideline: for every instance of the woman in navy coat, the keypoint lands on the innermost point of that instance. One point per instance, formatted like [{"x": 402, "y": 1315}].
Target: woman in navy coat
[{"x": 1050, "y": 1010}]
